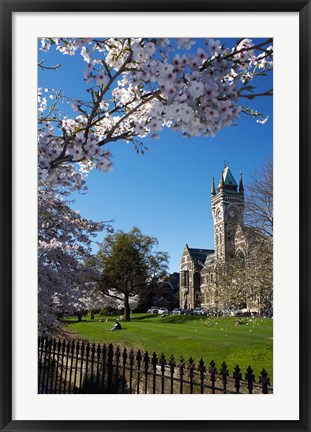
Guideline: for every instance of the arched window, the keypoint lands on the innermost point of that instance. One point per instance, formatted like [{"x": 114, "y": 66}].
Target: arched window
[{"x": 240, "y": 257}]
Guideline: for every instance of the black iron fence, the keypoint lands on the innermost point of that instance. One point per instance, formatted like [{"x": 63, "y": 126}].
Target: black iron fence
[{"x": 80, "y": 367}]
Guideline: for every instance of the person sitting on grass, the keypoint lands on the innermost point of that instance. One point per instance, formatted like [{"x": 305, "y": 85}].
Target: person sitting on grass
[
  {"x": 239, "y": 322},
  {"x": 117, "y": 326}
]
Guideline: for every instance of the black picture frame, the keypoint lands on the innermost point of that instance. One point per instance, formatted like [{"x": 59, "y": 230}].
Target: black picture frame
[{"x": 7, "y": 10}]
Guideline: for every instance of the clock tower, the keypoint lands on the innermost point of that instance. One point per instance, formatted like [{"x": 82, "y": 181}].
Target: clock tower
[{"x": 227, "y": 211}]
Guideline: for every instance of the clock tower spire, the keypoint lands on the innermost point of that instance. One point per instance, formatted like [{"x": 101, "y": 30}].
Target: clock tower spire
[{"x": 227, "y": 211}]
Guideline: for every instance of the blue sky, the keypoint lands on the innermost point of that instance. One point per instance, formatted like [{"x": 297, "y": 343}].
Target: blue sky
[{"x": 166, "y": 191}]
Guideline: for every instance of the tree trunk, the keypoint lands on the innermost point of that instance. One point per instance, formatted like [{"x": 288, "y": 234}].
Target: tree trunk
[
  {"x": 79, "y": 317},
  {"x": 92, "y": 314},
  {"x": 127, "y": 310}
]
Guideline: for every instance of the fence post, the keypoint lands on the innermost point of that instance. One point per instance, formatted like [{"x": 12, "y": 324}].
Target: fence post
[
  {"x": 224, "y": 373},
  {"x": 191, "y": 367},
  {"x": 212, "y": 370},
  {"x": 72, "y": 351},
  {"x": 110, "y": 366},
  {"x": 131, "y": 358},
  {"x": 146, "y": 366},
  {"x": 49, "y": 347},
  {"x": 40, "y": 357},
  {"x": 81, "y": 365},
  {"x": 62, "y": 367},
  {"x": 76, "y": 368},
  {"x": 124, "y": 358},
  {"x": 250, "y": 379},
  {"x": 66, "y": 365},
  {"x": 87, "y": 353},
  {"x": 92, "y": 365},
  {"x": 57, "y": 364},
  {"x": 181, "y": 366},
  {"x": 117, "y": 356},
  {"x": 264, "y": 381},
  {"x": 162, "y": 363},
  {"x": 53, "y": 364},
  {"x": 104, "y": 365},
  {"x": 202, "y": 369},
  {"x": 237, "y": 378},
  {"x": 44, "y": 350},
  {"x": 172, "y": 365},
  {"x": 138, "y": 364},
  {"x": 98, "y": 351},
  {"x": 154, "y": 362}
]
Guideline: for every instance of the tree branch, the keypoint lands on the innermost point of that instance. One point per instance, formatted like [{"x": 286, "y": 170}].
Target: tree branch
[{"x": 252, "y": 96}]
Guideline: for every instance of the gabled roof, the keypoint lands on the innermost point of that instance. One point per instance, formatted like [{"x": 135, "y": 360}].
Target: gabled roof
[{"x": 210, "y": 260}]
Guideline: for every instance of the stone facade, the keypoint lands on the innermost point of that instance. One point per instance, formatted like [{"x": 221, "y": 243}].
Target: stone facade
[
  {"x": 200, "y": 269},
  {"x": 164, "y": 296}
]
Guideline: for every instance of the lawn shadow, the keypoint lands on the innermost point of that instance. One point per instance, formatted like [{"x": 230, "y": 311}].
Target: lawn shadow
[
  {"x": 179, "y": 319},
  {"x": 141, "y": 318},
  {"x": 68, "y": 321}
]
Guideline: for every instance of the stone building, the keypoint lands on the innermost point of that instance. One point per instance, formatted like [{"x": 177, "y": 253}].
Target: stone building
[
  {"x": 164, "y": 296},
  {"x": 202, "y": 270}
]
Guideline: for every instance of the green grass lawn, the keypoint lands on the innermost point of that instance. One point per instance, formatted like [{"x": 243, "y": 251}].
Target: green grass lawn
[{"x": 217, "y": 339}]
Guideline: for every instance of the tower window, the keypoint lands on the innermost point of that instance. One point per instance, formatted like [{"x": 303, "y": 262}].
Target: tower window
[
  {"x": 196, "y": 280},
  {"x": 185, "y": 278}
]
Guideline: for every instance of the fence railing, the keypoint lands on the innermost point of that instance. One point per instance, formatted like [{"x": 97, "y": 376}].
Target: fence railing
[{"x": 80, "y": 367}]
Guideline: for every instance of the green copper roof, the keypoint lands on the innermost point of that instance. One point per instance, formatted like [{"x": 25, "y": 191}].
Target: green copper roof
[
  {"x": 228, "y": 177},
  {"x": 228, "y": 180}
]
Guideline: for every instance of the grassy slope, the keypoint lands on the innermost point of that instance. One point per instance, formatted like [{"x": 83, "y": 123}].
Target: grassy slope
[{"x": 200, "y": 337}]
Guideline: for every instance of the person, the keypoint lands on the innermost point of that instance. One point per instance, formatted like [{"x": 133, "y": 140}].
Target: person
[
  {"x": 239, "y": 321},
  {"x": 117, "y": 326}
]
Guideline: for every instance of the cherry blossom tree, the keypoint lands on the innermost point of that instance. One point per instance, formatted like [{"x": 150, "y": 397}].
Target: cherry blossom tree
[
  {"x": 65, "y": 240},
  {"x": 135, "y": 87}
]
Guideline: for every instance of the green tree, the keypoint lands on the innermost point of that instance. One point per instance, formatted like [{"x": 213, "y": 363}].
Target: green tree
[{"x": 126, "y": 264}]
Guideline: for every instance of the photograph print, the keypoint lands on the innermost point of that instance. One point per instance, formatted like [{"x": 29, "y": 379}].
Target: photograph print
[{"x": 155, "y": 215}]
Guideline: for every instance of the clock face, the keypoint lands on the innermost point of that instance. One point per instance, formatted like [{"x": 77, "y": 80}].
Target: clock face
[
  {"x": 219, "y": 214},
  {"x": 232, "y": 213}
]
